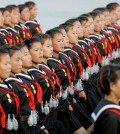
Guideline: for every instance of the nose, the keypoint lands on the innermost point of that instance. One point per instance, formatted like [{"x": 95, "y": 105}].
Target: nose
[
  {"x": 20, "y": 63},
  {"x": 30, "y": 57},
  {"x": 41, "y": 52},
  {"x": 51, "y": 48},
  {"x": 76, "y": 35},
  {"x": 9, "y": 67},
  {"x": 62, "y": 43}
]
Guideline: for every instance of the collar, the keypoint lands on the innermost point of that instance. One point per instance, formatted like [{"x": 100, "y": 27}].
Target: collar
[
  {"x": 36, "y": 70},
  {"x": 44, "y": 66},
  {"x": 2, "y": 85},
  {"x": 96, "y": 115},
  {"x": 53, "y": 59},
  {"x": 10, "y": 28},
  {"x": 13, "y": 79},
  {"x": 31, "y": 21},
  {"x": 23, "y": 75},
  {"x": 68, "y": 49}
]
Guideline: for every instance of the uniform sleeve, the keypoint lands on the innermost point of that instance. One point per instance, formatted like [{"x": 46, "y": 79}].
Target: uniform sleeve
[
  {"x": 32, "y": 29},
  {"x": 107, "y": 124},
  {"x": 59, "y": 72}
]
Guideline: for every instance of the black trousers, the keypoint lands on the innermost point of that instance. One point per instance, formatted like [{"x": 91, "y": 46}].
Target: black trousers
[
  {"x": 5, "y": 131},
  {"x": 25, "y": 129}
]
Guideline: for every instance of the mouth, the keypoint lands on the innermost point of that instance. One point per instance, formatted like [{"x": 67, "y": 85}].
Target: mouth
[
  {"x": 40, "y": 57},
  {"x": 20, "y": 68},
  {"x": 77, "y": 39},
  {"x": 9, "y": 72},
  {"x": 62, "y": 48}
]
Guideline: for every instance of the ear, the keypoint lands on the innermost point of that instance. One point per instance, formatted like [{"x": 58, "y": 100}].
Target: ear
[{"x": 112, "y": 86}]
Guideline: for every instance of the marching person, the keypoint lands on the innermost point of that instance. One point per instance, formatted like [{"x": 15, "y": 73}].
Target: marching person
[{"x": 106, "y": 115}]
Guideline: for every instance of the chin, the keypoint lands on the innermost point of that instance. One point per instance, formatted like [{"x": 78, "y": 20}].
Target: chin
[{"x": 50, "y": 56}]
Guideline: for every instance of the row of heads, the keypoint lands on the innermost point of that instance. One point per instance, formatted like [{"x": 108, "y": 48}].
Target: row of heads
[
  {"x": 29, "y": 53},
  {"x": 105, "y": 15},
  {"x": 22, "y": 12}
]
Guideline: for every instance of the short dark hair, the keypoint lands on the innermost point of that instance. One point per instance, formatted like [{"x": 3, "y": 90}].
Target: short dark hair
[
  {"x": 73, "y": 20},
  {"x": 102, "y": 9},
  {"x": 10, "y": 8},
  {"x": 1, "y": 10},
  {"x": 29, "y": 42},
  {"x": 67, "y": 26},
  {"x": 4, "y": 10},
  {"x": 22, "y": 7},
  {"x": 109, "y": 73},
  {"x": 42, "y": 37},
  {"x": 30, "y": 4},
  {"x": 12, "y": 49},
  {"x": 3, "y": 49},
  {"x": 83, "y": 19},
  {"x": 95, "y": 14},
  {"x": 52, "y": 32},
  {"x": 112, "y": 5}
]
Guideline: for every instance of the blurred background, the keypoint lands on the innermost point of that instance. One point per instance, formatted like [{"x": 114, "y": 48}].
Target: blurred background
[{"x": 51, "y": 13}]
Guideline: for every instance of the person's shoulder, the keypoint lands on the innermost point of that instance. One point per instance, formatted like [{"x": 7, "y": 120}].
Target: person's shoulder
[{"x": 107, "y": 123}]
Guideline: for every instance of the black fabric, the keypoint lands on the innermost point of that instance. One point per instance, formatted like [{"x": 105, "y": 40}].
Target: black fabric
[
  {"x": 69, "y": 121},
  {"x": 24, "y": 102},
  {"x": 107, "y": 122},
  {"x": 33, "y": 27},
  {"x": 59, "y": 71},
  {"x": 42, "y": 82}
]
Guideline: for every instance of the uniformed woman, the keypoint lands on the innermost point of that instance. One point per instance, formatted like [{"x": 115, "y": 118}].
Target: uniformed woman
[
  {"x": 32, "y": 24},
  {"x": 28, "y": 112},
  {"x": 106, "y": 116},
  {"x": 9, "y": 101}
]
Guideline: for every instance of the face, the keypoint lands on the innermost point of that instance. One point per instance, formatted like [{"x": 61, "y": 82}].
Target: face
[
  {"x": 65, "y": 38},
  {"x": 102, "y": 21},
  {"x": 16, "y": 62},
  {"x": 97, "y": 24},
  {"x": 107, "y": 18},
  {"x": 57, "y": 42},
  {"x": 91, "y": 25},
  {"x": 86, "y": 28},
  {"x": 115, "y": 87},
  {"x": 25, "y": 14},
  {"x": 78, "y": 28},
  {"x": 47, "y": 48},
  {"x": 18, "y": 12},
  {"x": 113, "y": 17},
  {"x": 117, "y": 11},
  {"x": 1, "y": 19},
  {"x": 14, "y": 16},
  {"x": 33, "y": 12},
  {"x": 5, "y": 66},
  {"x": 72, "y": 35},
  {"x": 7, "y": 18},
  {"x": 26, "y": 58},
  {"x": 36, "y": 52}
]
